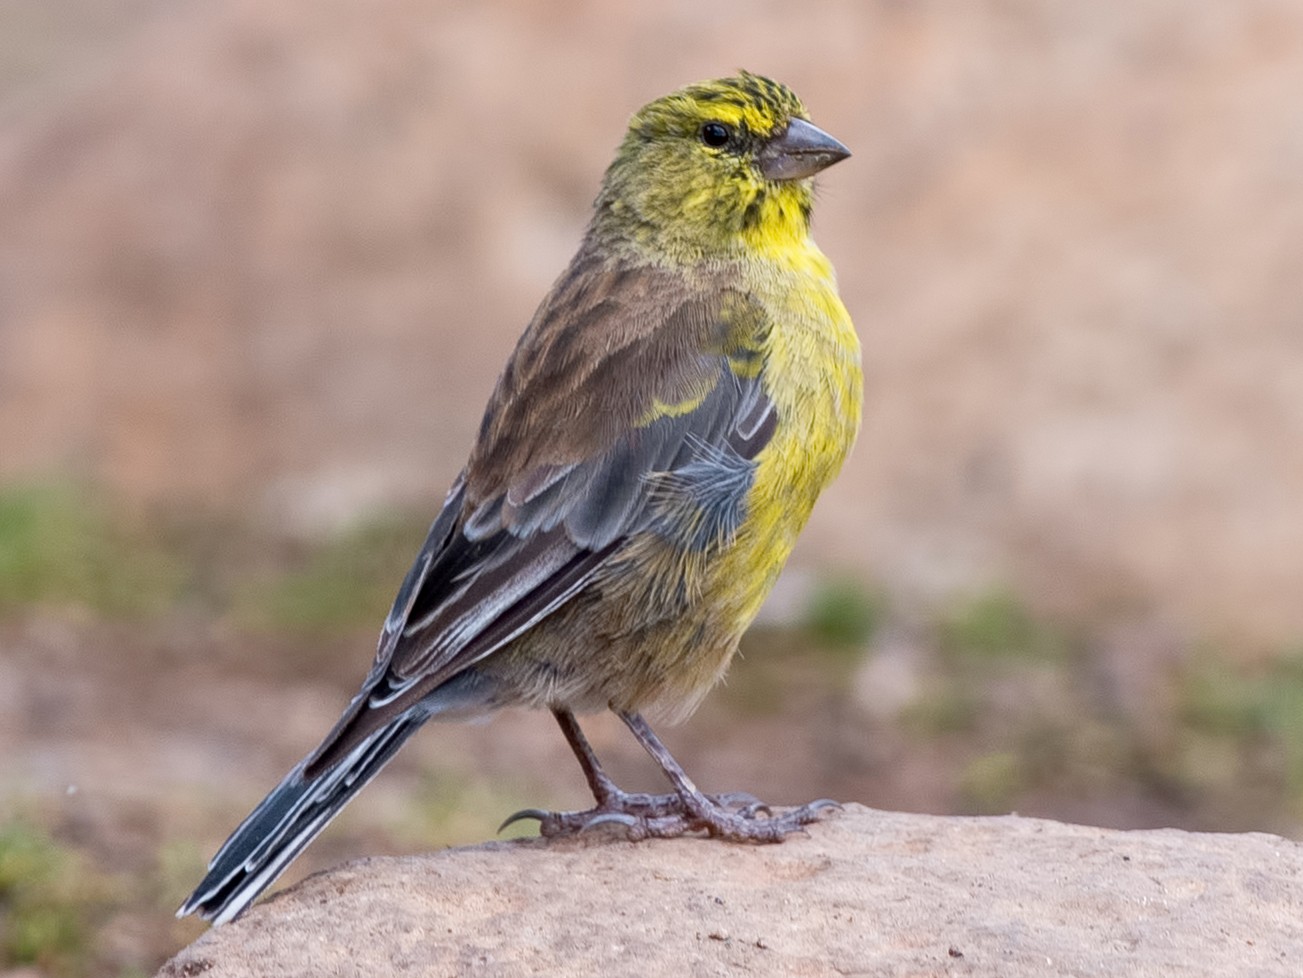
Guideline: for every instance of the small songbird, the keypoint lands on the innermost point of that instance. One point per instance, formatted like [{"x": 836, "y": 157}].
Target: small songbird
[{"x": 650, "y": 452}]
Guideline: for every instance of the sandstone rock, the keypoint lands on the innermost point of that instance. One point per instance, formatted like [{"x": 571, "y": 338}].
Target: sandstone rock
[{"x": 864, "y": 893}]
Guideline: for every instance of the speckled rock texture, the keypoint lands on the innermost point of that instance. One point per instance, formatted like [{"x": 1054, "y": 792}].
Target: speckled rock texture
[{"x": 864, "y": 893}]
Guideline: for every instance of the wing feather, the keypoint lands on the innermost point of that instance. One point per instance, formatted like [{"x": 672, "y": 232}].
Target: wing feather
[{"x": 623, "y": 378}]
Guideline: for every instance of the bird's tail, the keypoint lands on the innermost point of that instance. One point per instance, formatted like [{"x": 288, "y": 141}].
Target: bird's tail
[{"x": 287, "y": 820}]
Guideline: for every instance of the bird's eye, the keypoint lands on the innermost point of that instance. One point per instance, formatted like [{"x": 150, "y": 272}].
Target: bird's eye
[{"x": 715, "y": 134}]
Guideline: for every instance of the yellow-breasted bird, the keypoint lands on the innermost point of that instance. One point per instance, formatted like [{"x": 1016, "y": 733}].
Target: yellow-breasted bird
[{"x": 651, "y": 451}]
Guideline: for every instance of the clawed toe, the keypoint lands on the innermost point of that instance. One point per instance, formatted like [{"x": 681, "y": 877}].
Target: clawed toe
[
  {"x": 539, "y": 814},
  {"x": 737, "y": 800},
  {"x": 609, "y": 818},
  {"x": 734, "y": 818},
  {"x": 822, "y": 803}
]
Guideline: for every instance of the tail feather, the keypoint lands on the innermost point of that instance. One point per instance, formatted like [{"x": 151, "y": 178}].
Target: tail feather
[{"x": 287, "y": 820}]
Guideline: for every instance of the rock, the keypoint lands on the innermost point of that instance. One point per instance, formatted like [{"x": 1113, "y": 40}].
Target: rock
[{"x": 864, "y": 893}]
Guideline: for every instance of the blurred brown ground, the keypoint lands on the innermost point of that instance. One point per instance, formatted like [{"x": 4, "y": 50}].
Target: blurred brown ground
[
  {"x": 270, "y": 257},
  {"x": 266, "y": 259}
]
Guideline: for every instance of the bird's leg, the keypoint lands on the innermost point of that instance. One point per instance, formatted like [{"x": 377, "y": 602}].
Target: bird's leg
[
  {"x": 735, "y": 817},
  {"x": 614, "y": 805},
  {"x": 698, "y": 812},
  {"x": 603, "y": 788}
]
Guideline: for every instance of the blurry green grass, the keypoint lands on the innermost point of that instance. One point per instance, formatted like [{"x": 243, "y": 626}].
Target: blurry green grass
[
  {"x": 990, "y": 783},
  {"x": 1014, "y": 699},
  {"x": 65, "y": 546},
  {"x": 62, "y": 545},
  {"x": 998, "y": 625},
  {"x": 347, "y": 580},
  {"x": 843, "y": 614},
  {"x": 450, "y": 809},
  {"x": 50, "y": 901},
  {"x": 984, "y": 642},
  {"x": 1243, "y": 721}
]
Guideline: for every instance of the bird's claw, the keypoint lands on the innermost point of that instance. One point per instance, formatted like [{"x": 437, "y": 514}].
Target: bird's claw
[
  {"x": 820, "y": 804},
  {"x": 539, "y": 814},
  {"x": 740, "y": 800},
  {"x": 609, "y": 818},
  {"x": 735, "y": 817}
]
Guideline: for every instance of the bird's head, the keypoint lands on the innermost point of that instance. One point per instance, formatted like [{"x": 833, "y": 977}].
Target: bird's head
[{"x": 714, "y": 169}]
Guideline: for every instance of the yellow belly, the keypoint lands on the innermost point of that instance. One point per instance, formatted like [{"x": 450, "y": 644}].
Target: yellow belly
[
  {"x": 660, "y": 626},
  {"x": 812, "y": 375}
]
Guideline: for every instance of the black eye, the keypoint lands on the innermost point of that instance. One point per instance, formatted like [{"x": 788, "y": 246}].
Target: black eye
[{"x": 715, "y": 134}]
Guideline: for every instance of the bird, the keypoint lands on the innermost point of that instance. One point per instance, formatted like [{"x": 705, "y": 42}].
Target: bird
[{"x": 648, "y": 456}]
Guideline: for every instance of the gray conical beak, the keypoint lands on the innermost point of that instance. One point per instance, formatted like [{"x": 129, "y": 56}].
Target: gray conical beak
[{"x": 801, "y": 150}]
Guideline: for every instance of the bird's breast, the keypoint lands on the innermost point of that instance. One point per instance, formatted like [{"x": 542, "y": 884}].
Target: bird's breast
[{"x": 812, "y": 375}]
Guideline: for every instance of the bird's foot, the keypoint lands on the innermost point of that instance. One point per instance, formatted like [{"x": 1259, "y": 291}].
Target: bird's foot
[{"x": 735, "y": 817}]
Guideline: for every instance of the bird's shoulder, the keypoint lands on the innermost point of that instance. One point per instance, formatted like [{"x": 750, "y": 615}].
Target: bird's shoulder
[{"x": 615, "y": 345}]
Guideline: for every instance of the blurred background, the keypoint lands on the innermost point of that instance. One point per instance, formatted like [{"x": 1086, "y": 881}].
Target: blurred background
[{"x": 261, "y": 263}]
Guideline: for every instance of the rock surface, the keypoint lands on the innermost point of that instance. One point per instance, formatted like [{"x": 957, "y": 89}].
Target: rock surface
[{"x": 865, "y": 893}]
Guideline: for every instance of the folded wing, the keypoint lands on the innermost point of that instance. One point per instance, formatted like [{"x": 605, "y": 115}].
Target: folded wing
[{"x": 634, "y": 402}]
